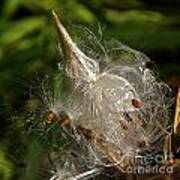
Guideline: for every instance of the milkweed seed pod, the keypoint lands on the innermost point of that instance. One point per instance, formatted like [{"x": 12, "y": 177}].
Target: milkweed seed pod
[{"x": 124, "y": 104}]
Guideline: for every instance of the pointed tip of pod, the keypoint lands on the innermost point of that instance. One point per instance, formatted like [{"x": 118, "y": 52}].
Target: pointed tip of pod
[
  {"x": 54, "y": 13},
  {"x": 65, "y": 38},
  {"x": 77, "y": 61},
  {"x": 56, "y": 17}
]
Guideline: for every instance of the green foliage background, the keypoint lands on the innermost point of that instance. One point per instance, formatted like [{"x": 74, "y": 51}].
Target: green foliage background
[{"x": 28, "y": 48}]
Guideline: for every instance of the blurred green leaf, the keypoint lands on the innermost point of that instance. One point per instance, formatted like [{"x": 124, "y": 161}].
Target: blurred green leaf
[
  {"x": 10, "y": 7},
  {"x": 46, "y": 5},
  {"x": 137, "y": 17},
  {"x": 146, "y": 38},
  {"x": 6, "y": 167},
  {"x": 17, "y": 30}
]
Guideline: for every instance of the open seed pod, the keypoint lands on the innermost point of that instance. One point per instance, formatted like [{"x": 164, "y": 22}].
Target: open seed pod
[{"x": 123, "y": 111}]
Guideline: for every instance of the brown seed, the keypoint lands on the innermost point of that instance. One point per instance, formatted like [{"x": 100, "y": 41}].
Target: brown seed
[
  {"x": 65, "y": 122},
  {"x": 50, "y": 117},
  {"x": 137, "y": 103}
]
